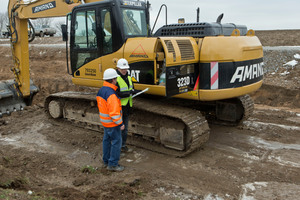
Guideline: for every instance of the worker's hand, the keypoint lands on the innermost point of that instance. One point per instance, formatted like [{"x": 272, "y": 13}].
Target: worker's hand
[
  {"x": 122, "y": 127},
  {"x": 134, "y": 91}
]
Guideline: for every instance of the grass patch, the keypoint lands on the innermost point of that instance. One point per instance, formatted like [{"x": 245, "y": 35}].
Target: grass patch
[
  {"x": 88, "y": 169},
  {"x": 141, "y": 193},
  {"x": 6, "y": 159}
]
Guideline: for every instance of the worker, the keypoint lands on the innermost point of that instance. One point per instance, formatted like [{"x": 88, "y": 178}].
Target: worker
[
  {"x": 125, "y": 91},
  {"x": 110, "y": 112}
]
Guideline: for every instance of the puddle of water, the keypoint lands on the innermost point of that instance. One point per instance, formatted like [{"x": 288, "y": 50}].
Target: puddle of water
[
  {"x": 283, "y": 162},
  {"x": 263, "y": 125},
  {"x": 269, "y": 190},
  {"x": 252, "y": 157},
  {"x": 269, "y": 145},
  {"x": 8, "y": 140},
  {"x": 271, "y": 151},
  {"x": 294, "y": 119},
  {"x": 250, "y": 188},
  {"x": 282, "y": 154},
  {"x": 213, "y": 197}
]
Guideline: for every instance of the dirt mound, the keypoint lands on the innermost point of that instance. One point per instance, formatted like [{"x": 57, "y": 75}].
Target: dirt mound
[
  {"x": 281, "y": 81},
  {"x": 279, "y": 37},
  {"x": 277, "y": 96}
]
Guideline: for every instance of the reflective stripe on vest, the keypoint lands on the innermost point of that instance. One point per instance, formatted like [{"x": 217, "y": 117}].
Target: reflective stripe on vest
[
  {"x": 110, "y": 119},
  {"x": 103, "y": 115},
  {"x": 124, "y": 87}
]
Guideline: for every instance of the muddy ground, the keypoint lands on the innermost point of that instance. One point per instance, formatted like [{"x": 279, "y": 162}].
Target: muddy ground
[{"x": 42, "y": 158}]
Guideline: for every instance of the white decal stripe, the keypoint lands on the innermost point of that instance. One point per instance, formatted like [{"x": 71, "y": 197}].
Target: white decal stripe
[
  {"x": 215, "y": 85},
  {"x": 214, "y": 75},
  {"x": 214, "y": 70}
]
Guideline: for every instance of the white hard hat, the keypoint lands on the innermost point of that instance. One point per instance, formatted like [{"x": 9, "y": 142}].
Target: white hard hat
[
  {"x": 110, "y": 73},
  {"x": 122, "y": 64}
]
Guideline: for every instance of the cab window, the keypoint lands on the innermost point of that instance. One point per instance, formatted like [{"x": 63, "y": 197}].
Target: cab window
[
  {"x": 107, "y": 34},
  {"x": 85, "y": 39},
  {"x": 134, "y": 22}
]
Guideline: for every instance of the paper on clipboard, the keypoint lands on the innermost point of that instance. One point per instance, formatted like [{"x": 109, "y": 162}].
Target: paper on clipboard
[{"x": 145, "y": 90}]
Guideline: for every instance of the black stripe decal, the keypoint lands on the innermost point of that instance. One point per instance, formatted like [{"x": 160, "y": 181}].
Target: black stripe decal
[{"x": 232, "y": 74}]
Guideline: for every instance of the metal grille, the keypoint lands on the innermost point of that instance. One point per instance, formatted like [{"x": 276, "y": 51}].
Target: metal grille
[
  {"x": 186, "y": 49},
  {"x": 171, "y": 49}
]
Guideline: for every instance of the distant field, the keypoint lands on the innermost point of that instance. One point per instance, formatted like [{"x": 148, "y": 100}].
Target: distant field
[
  {"x": 279, "y": 37},
  {"x": 267, "y": 38}
]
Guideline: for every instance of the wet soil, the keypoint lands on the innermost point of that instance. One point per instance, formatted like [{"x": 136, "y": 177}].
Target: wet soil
[{"x": 41, "y": 158}]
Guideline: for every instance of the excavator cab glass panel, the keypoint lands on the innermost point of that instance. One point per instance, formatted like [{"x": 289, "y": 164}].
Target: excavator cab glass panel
[
  {"x": 107, "y": 33},
  {"x": 85, "y": 30},
  {"x": 85, "y": 48},
  {"x": 134, "y": 21}
]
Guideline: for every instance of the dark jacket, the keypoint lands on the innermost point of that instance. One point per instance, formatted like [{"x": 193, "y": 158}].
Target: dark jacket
[{"x": 126, "y": 109}]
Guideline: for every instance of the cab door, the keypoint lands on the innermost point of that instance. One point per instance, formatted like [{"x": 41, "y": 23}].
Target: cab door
[
  {"x": 84, "y": 46},
  {"x": 93, "y": 41},
  {"x": 111, "y": 40}
]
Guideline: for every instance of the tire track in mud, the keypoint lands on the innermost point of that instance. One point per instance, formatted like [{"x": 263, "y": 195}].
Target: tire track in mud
[{"x": 274, "y": 135}]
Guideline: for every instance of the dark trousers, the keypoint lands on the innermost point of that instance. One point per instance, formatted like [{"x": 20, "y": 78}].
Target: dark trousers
[
  {"x": 124, "y": 132},
  {"x": 112, "y": 145}
]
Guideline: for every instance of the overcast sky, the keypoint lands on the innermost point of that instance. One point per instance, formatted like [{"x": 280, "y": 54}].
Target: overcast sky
[{"x": 255, "y": 14}]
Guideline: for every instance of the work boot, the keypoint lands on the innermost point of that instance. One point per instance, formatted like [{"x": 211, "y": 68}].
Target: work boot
[
  {"x": 126, "y": 149},
  {"x": 117, "y": 168},
  {"x": 104, "y": 165}
]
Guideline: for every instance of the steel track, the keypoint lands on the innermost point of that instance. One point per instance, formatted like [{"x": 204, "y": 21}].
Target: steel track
[{"x": 196, "y": 131}]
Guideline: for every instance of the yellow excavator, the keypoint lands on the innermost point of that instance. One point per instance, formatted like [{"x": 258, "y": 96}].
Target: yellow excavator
[{"x": 196, "y": 72}]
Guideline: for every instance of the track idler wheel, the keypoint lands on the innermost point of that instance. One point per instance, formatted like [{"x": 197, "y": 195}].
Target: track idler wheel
[{"x": 55, "y": 109}]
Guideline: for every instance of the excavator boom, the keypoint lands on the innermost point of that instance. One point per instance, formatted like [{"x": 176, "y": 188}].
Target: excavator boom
[{"x": 16, "y": 94}]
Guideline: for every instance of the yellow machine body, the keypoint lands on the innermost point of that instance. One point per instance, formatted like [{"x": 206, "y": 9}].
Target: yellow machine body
[{"x": 221, "y": 49}]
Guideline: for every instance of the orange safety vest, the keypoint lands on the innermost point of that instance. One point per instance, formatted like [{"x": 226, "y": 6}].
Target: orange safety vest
[{"x": 109, "y": 105}]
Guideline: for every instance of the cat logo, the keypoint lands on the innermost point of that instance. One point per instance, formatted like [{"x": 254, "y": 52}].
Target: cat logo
[
  {"x": 139, "y": 52},
  {"x": 135, "y": 75}
]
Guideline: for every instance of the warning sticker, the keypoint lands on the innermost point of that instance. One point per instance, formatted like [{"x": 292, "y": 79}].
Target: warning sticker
[{"x": 139, "y": 52}]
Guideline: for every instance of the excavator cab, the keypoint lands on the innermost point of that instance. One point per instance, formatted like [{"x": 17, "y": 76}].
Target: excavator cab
[
  {"x": 101, "y": 28},
  {"x": 103, "y": 32}
]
